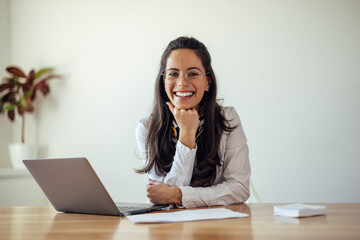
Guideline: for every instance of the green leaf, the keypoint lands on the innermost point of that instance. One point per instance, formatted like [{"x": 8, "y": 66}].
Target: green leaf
[
  {"x": 10, "y": 107},
  {"x": 22, "y": 102},
  {"x": 42, "y": 72},
  {"x": 28, "y": 94}
]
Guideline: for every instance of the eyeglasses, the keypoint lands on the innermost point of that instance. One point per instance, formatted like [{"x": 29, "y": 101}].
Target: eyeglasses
[{"x": 171, "y": 76}]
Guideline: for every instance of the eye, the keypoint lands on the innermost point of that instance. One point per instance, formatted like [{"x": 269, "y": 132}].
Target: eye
[
  {"x": 193, "y": 74},
  {"x": 172, "y": 74}
]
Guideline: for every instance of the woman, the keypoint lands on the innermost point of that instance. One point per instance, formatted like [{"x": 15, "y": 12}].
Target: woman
[{"x": 195, "y": 151}]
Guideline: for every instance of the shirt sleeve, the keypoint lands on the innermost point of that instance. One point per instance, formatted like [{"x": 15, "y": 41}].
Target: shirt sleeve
[
  {"x": 182, "y": 168},
  {"x": 236, "y": 173}
]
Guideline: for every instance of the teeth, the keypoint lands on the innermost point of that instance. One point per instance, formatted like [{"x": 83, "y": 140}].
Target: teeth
[{"x": 184, "y": 94}]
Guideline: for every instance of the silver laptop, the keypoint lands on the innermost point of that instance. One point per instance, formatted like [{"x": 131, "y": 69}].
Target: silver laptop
[{"x": 72, "y": 186}]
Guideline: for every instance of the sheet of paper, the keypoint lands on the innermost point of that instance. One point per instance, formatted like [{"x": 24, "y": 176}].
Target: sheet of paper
[{"x": 186, "y": 215}]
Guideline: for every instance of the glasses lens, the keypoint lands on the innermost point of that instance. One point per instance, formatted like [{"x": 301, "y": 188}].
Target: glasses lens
[
  {"x": 193, "y": 75},
  {"x": 171, "y": 76}
]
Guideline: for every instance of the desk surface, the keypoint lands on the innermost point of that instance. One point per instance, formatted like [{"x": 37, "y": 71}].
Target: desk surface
[{"x": 342, "y": 221}]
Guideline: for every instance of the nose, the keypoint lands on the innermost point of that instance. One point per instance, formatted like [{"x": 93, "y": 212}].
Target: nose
[{"x": 181, "y": 80}]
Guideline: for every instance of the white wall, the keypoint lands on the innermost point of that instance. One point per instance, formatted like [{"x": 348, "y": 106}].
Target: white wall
[
  {"x": 291, "y": 69},
  {"x": 5, "y": 126}
]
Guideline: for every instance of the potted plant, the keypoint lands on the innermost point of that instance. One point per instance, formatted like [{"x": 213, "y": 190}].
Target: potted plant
[{"x": 17, "y": 94}]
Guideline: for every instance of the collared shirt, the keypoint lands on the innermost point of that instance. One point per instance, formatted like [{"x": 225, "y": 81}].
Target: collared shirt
[{"x": 231, "y": 185}]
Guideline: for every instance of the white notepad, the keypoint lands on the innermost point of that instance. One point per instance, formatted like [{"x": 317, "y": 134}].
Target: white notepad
[
  {"x": 186, "y": 215},
  {"x": 299, "y": 210}
]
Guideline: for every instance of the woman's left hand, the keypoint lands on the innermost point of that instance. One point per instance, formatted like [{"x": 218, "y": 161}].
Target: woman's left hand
[{"x": 161, "y": 193}]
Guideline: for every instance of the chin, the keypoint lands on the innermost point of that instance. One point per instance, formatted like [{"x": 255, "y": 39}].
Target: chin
[{"x": 184, "y": 106}]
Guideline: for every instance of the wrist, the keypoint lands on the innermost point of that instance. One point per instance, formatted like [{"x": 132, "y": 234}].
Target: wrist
[
  {"x": 188, "y": 141},
  {"x": 176, "y": 196}
]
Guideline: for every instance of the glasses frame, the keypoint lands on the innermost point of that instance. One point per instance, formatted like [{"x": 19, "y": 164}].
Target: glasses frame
[{"x": 181, "y": 75}]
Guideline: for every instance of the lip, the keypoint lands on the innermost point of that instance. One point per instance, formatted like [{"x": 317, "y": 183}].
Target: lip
[{"x": 184, "y": 94}]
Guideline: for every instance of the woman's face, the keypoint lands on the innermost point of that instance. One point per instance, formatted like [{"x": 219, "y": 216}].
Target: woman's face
[{"x": 185, "y": 94}]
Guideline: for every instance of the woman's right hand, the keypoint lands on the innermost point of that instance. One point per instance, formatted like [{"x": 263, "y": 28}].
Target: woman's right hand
[
  {"x": 187, "y": 120},
  {"x": 161, "y": 193}
]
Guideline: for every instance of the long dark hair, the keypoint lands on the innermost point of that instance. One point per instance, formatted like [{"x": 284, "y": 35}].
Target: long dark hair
[{"x": 159, "y": 145}]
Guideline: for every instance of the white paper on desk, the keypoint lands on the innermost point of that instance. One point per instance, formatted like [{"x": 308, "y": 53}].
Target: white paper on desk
[
  {"x": 299, "y": 210},
  {"x": 186, "y": 215}
]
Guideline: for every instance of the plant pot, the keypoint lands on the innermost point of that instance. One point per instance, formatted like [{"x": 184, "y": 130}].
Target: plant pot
[{"x": 21, "y": 151}]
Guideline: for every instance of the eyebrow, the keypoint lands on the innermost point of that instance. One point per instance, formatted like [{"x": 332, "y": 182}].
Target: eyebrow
[{"x": 186, "y": 69}]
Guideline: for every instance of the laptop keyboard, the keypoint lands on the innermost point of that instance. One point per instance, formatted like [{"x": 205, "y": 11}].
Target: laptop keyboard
[{"x": 128, "y": 209}]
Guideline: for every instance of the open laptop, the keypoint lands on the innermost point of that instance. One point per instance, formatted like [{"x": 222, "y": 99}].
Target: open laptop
[{"x": 72, "y": 186}]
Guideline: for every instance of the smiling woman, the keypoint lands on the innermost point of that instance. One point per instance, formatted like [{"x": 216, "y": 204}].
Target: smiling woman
[{"x": 194, "y": 150}]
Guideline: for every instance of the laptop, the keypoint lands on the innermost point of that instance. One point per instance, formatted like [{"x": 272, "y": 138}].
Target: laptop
[{"x": 72, "y": 186}]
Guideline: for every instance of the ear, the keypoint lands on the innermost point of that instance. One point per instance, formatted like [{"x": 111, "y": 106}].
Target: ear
[{"x": 208, "y": 84}]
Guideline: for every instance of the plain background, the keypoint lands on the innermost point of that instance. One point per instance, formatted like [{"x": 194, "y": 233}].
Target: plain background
[{"x": 290, "y": 68}]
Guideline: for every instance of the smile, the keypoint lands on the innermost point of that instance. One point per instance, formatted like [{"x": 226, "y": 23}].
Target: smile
[{"x": 184, "y": 94}]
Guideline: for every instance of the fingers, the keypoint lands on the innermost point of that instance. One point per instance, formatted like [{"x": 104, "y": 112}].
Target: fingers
[
  {"x": 151, "y": 190},
  {"x": 178, "y": 113},
  {"x": 149, "y": 193},
  {"x": 175, "y": 111},
  {"x": 186, "y": 117},
  {"x": 156, "y": 193},
  {"x": 163, "y": 194},
  {"x": 153, "y": 182}
]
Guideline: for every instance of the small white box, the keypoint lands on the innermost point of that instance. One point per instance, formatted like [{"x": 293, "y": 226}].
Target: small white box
[{"x": 299, "y": 210}]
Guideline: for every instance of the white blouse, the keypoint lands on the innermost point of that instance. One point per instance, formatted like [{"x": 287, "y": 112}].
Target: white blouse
[{"x": 231, "y": 185}]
